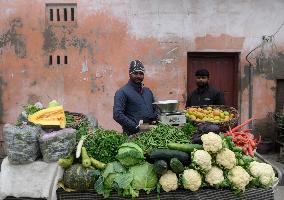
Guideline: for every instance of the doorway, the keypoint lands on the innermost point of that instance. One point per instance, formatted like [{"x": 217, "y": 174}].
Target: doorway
[{"x": 223, "y": 69}]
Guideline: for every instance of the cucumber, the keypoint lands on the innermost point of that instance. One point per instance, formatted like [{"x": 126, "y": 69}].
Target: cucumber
[
  {"x": 168, "y": 154},
  {"x": 188, "y": 148},
  {"x": 176, "y": 166},
  {"x": 160, "y": 167}
]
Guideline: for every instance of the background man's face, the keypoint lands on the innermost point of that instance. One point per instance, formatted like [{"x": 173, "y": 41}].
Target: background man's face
[
  {"x": 137, "y": 77},
  {"x": 202, "y": 80}
]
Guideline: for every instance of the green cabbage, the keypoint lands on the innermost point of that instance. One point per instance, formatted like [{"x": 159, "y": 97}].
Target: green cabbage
[
  {"x": 111, "y": 171},
  {"x": 144, "y": 177},
  {"x": 130, "y": 154},
  {"x": 106, "y": 182}
]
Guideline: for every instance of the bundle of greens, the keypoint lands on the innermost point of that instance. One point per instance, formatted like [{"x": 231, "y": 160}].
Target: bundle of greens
[
  {"x": 29, "y": 109},
  {"x": 101, "y": 144}
]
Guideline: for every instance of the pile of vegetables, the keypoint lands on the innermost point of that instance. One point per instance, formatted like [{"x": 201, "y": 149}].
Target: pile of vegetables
[
  {"x": 162, "y": 135},
  {"x": 220, "y": 164},
  {"x": 128, "y": 176},
  {"x": 164, "y": 157}
]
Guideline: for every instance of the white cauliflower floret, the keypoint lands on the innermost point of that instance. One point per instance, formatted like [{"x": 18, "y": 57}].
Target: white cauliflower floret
[
  {"x": 214, "y": 176},
  {"x": 169, "y": 181},
  {"x": 191, "y": 179},
  {"x": 239, "y": 177},
  {"x": 263, "y": 171},
  {"x": 202, "y": 159},
  {"x": 212, "y": 142},
  {"x": 226, "y": 158}
]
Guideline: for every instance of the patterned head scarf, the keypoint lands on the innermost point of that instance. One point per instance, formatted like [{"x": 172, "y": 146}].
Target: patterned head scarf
[{"x": 136, "y": 66}]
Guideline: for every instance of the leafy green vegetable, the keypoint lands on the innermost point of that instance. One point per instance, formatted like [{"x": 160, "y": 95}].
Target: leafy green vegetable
[
  {"x": 130, "y": 154},
  {"x": 189, "y": 129},
  {"x": 124, "y": 180},
  {"x": 82, "y": 130},
  {"x": 106, "y": 183},
  {"x": 144, "y": 177},
  {"x": 29, "y": 109},
  {"x": 102, "y": 144},
  {"x": 69, "y": 119}
]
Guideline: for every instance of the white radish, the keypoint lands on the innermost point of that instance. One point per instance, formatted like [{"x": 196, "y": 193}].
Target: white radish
[{"x": 79, "y": 147}]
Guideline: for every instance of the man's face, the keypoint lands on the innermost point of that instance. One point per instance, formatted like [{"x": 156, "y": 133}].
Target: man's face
[
  {"x": 202, "y": 80},
  {"x": 137, "y": 77}
]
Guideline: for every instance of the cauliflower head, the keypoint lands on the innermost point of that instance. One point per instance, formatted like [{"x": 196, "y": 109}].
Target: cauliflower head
[
  {"x": 239, "y": 178},
  {"x": 202, "y": 159},
  {"x": 214, "y": 176},
  {"x": 226, "y": 158},
  {"x": 263, "y": 171},
  {"x": 212, "y": 142},
  {"x": 191, "y": 179},
  {"x": 169, "y": 181}
]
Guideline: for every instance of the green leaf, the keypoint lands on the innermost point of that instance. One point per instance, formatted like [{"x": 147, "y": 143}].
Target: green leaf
[
  {"x": 113, "y": 167},
  {"x": 99, "y": 185},
  {"x": 124, "y": 180}
]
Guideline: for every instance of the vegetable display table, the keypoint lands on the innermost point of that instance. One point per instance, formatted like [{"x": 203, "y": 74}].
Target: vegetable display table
[{"x": 254, "y": 193}]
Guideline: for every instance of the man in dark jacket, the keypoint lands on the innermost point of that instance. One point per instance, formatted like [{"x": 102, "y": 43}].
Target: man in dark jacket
[
  {"x": 204, "y": 94},
  {"x": 133, "y": 102}
]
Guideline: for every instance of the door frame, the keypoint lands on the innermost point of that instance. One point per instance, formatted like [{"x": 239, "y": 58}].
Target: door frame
[{"x": 234, "y": 55}]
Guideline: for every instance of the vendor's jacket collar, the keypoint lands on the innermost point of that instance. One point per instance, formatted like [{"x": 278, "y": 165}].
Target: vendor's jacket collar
[
  {"x": 201, "y": 90},
  {"x": 136, "y": 86}
]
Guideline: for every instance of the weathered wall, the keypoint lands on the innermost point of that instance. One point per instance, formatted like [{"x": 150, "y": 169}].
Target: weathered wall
[{"x": 109, "y": 34}]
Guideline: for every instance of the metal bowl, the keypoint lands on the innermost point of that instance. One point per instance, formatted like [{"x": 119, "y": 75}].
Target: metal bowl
[{"x": 167, "y": 106}]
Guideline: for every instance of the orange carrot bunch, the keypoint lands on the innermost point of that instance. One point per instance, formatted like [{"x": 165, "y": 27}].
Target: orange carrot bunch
[{"x": 244, "y": 138}]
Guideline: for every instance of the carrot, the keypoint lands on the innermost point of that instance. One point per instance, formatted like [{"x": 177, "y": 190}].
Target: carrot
[
  {"x": 241, "y": 125},
  {"x": 245, "y": 151},
  {"x": 252, "y": 143},
  {"x": 227, "y": 134},
  {"x": 250, "y": 135},
  {"x": 250, "y": 152}
]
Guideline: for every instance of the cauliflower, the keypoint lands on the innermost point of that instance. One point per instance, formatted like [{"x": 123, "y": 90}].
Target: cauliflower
[
  {"x": 214, "y": 176},
  {"x": 169, "y": 181},
  {"x": 239, "y": 178},
  {"x": 212, "y": 142},
  {"x": 191, "y": 179},
  {"x": 226, "y": 158},
  {"x": 263, "y": 171},
  {"x": 202, "y": 159}
]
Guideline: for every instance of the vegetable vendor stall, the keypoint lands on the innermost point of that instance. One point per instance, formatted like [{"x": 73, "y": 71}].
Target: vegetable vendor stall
[{"x": 161, "y": 163}]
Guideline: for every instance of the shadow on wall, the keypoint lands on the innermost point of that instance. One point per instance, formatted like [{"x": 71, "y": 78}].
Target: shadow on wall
[{"x": 266, "y": 128}]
